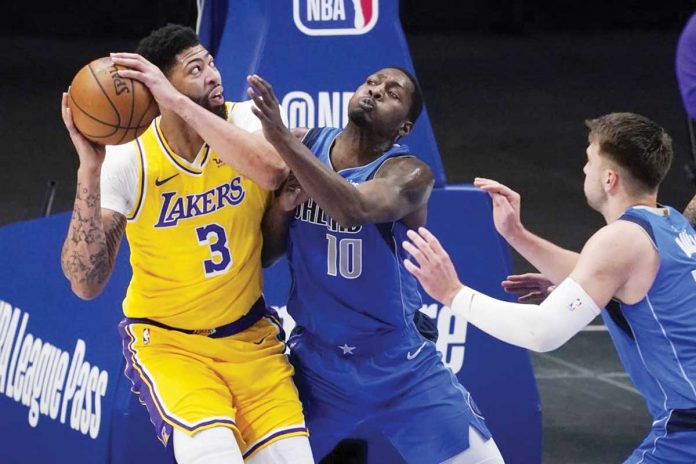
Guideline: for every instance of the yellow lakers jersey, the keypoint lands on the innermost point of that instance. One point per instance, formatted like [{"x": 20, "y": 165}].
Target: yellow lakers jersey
[{"x": 195, "y": 237}]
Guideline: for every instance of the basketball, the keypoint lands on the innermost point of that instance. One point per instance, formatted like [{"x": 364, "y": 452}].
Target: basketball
[{"x": 109, "y": 109}]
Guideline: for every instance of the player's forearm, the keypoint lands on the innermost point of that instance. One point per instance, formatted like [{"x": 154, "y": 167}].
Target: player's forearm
[
  {"x": 336, "y": 196},
  {"x": 274, "y": 227},
  {"x": 541, "y": 328},
  {"x": 250, "y": 154},
  {"x": 84, "y": 258},
  {"x": 554, "y": 262},
  {"x": 690, "y": 212}
]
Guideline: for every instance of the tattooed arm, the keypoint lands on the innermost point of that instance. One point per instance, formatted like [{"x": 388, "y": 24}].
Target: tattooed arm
[
  {"x": 690, "y": 212},
  {"x": 94, "y": 237},
  {"x": 94, "y": 234}
]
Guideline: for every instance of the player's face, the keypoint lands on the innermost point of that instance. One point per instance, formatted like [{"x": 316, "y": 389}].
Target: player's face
[
  {"x": 196, "y": 76},
  {"x": 382, "y": 102},
  {"x": 594, "y": 168}
]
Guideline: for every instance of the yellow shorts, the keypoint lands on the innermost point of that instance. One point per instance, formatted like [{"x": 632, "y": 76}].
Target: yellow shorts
[{"x": 193, "y": 382}]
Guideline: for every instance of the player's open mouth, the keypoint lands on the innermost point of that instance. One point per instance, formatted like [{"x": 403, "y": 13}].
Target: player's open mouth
[{"x": 216, "y": 96}]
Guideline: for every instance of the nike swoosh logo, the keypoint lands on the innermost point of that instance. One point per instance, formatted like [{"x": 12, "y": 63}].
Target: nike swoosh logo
[
  {"x": 164, "y": 181},
  {"x": 260, "y": 341},
  {"x": 410, "y": 356}
]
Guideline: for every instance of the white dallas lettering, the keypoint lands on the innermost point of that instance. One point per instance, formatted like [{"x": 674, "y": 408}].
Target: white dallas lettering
[
  {"x": 35, "y": 374},
  {"x": 687, "y": 242}
]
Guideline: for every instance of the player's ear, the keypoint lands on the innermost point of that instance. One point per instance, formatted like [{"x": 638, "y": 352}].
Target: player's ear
[{"x": 405, "y": 128}]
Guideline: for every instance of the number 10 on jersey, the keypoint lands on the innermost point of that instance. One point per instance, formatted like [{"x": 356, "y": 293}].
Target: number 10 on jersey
[{"x": 344, "y": 257}]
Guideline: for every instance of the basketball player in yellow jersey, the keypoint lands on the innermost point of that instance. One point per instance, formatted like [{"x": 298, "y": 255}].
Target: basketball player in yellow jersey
[{"x": 203, "y": 352}]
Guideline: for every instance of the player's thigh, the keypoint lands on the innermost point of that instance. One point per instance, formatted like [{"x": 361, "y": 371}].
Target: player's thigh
[
  {"x": 293, "y": 450},
  {"x": 179, "y": 387},
  {"x": 430, "y": 421},
  {"x": 260, "y": 378},
  {"x": 480, "y": 451}
]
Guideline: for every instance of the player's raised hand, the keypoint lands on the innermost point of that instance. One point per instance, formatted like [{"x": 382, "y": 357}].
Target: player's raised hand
[
  {"x": 529, "y": 288},
  {"x": 433, "y": 267},
  {"x": 267, "y": 110},
  {"x": 506, "y": 207},
  {"x": 91, "y": 154},
  {"x": 142, "y": 70}
]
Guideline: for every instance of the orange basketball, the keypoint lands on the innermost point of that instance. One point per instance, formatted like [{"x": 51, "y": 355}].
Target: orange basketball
[{"x": 109, "y": 109}]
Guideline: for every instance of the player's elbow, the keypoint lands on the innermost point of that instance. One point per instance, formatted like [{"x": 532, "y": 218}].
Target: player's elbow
[
  {"x": 86, "y": 292},
  {"x": 274, "y": 176},
  {"x": 349, "y": 218},
  {"x": 545, "y": 341}
]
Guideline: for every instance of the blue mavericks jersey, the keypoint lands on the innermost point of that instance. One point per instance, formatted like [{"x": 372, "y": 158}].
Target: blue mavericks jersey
[
  {"x": 348, "y": 281},
  {"x": 656, "y": 338}
]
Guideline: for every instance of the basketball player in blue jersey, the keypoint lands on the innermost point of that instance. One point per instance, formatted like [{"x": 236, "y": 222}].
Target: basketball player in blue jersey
[
  {"x": 644, "y": 261},
  {"x": 358, "y": 356}
]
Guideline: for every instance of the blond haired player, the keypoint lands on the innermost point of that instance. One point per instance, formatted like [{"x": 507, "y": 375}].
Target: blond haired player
[{"x": 202, "y": 350}]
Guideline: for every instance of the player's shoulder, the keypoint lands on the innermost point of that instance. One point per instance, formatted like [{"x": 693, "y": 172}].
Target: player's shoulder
[
  {"x": 119, "y": 156},
  {"x": 241, "y": 115},
  {"x": 408, "y": 167},
  {"x": 619, "y": 241}
]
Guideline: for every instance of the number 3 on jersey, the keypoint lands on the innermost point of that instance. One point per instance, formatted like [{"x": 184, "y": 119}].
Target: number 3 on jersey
[
  {"x": 344, "y": 256},
  {"x": 215, "y": 237}
]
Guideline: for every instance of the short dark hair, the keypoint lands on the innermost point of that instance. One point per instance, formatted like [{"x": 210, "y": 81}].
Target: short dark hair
[
  {"x": 416, "y": 99},
  {"x": 635, "y": 143},
  {"x": 163, "y": 45}
]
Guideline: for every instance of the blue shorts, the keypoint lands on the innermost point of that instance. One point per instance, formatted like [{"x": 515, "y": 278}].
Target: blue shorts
[
  {"x": 667, "y": 444},
  {"x": 395, "y": 382}
]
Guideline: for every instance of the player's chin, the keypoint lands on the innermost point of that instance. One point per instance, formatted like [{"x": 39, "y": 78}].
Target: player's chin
[
  {"x": 360, "y": 117},
  {"x": 220, "y": 110}
]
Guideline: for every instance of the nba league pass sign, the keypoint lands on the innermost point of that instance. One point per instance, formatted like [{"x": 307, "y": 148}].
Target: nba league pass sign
[{"x": 335, "y": 17}]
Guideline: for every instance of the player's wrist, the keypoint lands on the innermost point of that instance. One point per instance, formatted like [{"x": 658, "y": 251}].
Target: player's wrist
[
  {"x": 90, "y": 169},
  {"x": 451, "y": 295},
  {"x": 516, "y": 234}
]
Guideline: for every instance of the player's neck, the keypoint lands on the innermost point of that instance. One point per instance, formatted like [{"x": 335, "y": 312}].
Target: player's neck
[
  {"x": 180, "y": 137},
  {"x": 616, "y": 207},
  {"x": 356, "y": 147}
]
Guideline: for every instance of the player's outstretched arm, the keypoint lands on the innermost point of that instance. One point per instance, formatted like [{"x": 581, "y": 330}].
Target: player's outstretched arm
[
  {"x": 250, "y": 154},
  {"x": 400, "y": 189},
  {"x": 94, "y": 235},
  {"x": 597, "y": 278},
  {"x": 555, "y": 262}
]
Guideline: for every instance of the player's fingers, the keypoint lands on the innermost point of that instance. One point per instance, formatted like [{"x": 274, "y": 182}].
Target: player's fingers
[
  {"x": 258, "y": 100},
  {"x": 258, "y": 113},
  {"x": 534, "y": 276},
  {"x": 432, "y": 241},
  {"x": 421, "y": 244},
  {"x": 267, "y": 87},
  {"x": 520, "y": 290},
  {"x": 413, "y": 269},
  {"x": 133, "y": 74},
  {"x": 532, "y": 297},
  {"x": 260, "y": 87},
  {"x": 420, "y": 258},
  {"x": 498, "y": 188},
  {"x": 128, "y": 63}
]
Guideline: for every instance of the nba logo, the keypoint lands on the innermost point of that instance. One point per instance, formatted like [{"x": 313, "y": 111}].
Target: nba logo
[{"x": 335, "y": 17}]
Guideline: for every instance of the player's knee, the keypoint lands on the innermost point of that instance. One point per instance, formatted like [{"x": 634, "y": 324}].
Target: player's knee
[
  {"x": 295, "y": 450},
  {"x": 213, "y": 446}
]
